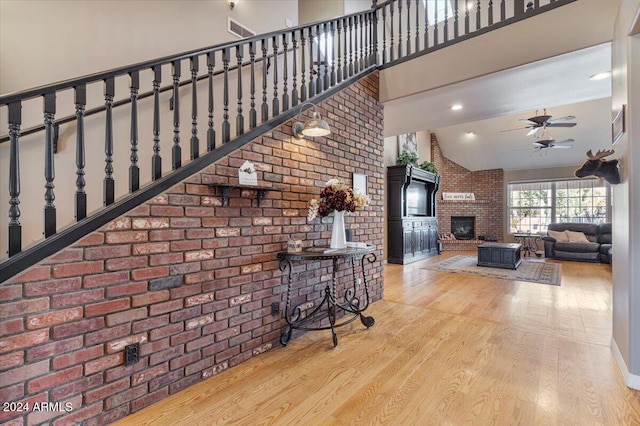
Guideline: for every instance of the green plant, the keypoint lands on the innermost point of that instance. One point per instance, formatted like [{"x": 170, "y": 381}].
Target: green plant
[
  {"x": 429, "y": 166},
  {"x": 407, "y": 158}
]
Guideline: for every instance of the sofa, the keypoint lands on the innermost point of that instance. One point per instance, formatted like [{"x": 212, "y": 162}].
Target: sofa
[{"x": 595, "y": 246}]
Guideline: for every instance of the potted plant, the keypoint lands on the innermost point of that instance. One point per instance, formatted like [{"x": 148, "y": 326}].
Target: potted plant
[
  {"x": 429, "y": 166},
  {"x": 407, "y": 158}
]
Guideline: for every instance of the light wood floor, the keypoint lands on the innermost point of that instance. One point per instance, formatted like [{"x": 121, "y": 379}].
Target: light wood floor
[{"x": 446, "y": 349}]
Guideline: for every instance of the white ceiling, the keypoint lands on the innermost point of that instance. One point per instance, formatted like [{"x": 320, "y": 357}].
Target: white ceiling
[{"x": 496, "y": 102}]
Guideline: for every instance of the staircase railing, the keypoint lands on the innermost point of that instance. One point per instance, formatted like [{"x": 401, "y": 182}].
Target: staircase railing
[{"x": 269, "y": 75}]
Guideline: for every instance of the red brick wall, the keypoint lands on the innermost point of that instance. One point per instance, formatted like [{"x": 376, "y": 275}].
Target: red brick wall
[
  {"x": 189, "y": 279},
  {"x": 487, "y": 185}
]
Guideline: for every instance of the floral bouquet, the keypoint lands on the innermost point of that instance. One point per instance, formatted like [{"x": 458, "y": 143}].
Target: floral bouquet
[{"x": 336, "y": 196}]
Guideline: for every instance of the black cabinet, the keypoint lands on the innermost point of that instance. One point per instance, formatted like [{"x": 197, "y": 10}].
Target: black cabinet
[{"x": 413, "y": 227}]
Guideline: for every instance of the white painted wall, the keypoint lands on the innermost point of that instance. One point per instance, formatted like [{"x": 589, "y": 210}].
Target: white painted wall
[
  {"x": 316, "y": 10},
  {"x": 353, "y": 6},
  {"x": 626, "y": 196},
  {"x": 44, "y": 41}
]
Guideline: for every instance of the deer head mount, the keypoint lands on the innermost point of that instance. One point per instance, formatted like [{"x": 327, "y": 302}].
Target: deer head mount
[{"x": 597, "y": 166}]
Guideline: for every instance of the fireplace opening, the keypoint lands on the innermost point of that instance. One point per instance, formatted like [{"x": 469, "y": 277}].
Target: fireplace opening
[{"x": 463, "y": 227}]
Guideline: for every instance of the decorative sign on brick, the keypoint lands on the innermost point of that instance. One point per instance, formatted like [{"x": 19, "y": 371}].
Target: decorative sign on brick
[
  {"x": 247, "y": 174},
  {"x": 458, "y": 196}
]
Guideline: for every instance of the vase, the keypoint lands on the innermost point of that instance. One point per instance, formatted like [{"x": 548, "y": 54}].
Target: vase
[{"x": 338, "y": 237}]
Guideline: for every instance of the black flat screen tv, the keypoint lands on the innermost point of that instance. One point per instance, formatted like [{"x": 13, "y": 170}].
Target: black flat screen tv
[{"x": 416, "y": 199}]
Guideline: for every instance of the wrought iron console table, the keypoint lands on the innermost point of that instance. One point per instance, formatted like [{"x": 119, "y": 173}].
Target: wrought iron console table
[
  {"x": 529, "y": 243},
  {"x": 350, "y": 303}
]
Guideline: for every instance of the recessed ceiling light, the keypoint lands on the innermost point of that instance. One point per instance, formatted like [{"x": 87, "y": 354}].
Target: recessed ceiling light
[
  {"x": 600, "y": 76},
  {"x": 456, "y": 107},
  {"x": 470, "y": 134}
]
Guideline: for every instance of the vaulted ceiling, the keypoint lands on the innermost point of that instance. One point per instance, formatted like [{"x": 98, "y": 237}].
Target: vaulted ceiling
[{"x": 495, "y": 101}]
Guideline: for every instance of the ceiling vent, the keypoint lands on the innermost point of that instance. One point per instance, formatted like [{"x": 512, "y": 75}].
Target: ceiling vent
[{"x": 239, "y": 30}]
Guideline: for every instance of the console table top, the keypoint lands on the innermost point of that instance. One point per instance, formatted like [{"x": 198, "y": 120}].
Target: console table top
[{"x": 326, "y": 253}]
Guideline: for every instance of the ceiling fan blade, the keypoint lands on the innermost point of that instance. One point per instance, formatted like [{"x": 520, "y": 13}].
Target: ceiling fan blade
[
  {"x": 539, "y": 120},
  {"x": 561, "y": 146},
  {"x": 566, "y": 141},
  {"x": 561, "y": 124},
  {"x": 511, "y": 130},
  {"x": 533, "y": 123},
  {"x": 539, "y": 145},
  {"x": 565, "y": 118},
  {"x": 533, "y": 131}
]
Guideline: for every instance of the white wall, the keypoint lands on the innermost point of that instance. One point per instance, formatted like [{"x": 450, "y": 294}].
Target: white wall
[
  {"x": 314, "y": 10},
  {"x": 626, "y": 196},
  {"x": 320, "y": 10},
  {"x": 423, "y": 138},
  {"x": 353, "y": 6},
  {"x": 424, "y": 145},
  {"x": 45, "y": 41}
]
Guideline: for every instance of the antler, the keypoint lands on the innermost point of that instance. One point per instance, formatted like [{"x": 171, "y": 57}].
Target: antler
[{"x": 601, "y": 154}]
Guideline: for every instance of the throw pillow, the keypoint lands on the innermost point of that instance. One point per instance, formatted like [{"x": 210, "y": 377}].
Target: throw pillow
[
  {"x": 577, "y": 237},
  {"x": 560, "y": 236}
]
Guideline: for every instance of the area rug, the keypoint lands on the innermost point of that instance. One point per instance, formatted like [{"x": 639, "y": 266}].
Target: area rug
[{"x": 532, "y": 271}]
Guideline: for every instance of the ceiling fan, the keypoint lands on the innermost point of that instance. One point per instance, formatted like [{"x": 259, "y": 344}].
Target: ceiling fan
[
  {"x": 551, "y": 143},
  {"x": 543, "y": 121}
]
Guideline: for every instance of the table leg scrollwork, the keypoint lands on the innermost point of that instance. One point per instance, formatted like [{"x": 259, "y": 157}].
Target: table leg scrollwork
[{"x": 325, "y": 315}]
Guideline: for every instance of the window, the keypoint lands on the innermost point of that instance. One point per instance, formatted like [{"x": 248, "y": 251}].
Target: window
[
  {"x": 532, "y": 206},
  {"x": 325, "y": 40},
  {"x": 436, "y": 10}
]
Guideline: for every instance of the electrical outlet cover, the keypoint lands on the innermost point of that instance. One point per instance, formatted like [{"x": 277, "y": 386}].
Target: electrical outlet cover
[{"x": 132, "y": 354}]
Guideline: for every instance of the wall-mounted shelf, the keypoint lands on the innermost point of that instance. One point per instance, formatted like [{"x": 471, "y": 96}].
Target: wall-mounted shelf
[{"x": 223, "y": 190}]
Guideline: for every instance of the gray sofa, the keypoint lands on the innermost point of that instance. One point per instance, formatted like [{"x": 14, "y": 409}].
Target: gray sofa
[{"x": 598, "y": 249}]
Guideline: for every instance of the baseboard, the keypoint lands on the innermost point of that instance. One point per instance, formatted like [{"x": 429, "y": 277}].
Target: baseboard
[{"x": 632, "y": 380}]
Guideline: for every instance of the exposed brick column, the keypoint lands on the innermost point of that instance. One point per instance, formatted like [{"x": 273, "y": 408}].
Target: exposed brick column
[{"x": 487, "y": 185}]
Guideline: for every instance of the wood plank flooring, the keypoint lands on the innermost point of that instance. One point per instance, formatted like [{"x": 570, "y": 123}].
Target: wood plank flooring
[{"x": 446, "y": 349}]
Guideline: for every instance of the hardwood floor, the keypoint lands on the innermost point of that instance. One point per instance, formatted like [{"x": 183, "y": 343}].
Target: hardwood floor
[{"x": 446, "y": 349}]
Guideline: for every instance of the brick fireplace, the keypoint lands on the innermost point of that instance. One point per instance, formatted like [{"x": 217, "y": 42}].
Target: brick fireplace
[
  {"x": 463, "y": 227},
  {"x": 486, "y": 185}
]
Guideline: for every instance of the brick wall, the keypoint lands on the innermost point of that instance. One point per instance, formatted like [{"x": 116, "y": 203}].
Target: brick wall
[
  {"x": 487, "y": 185},
  {"x": 189, "y": 279}
]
